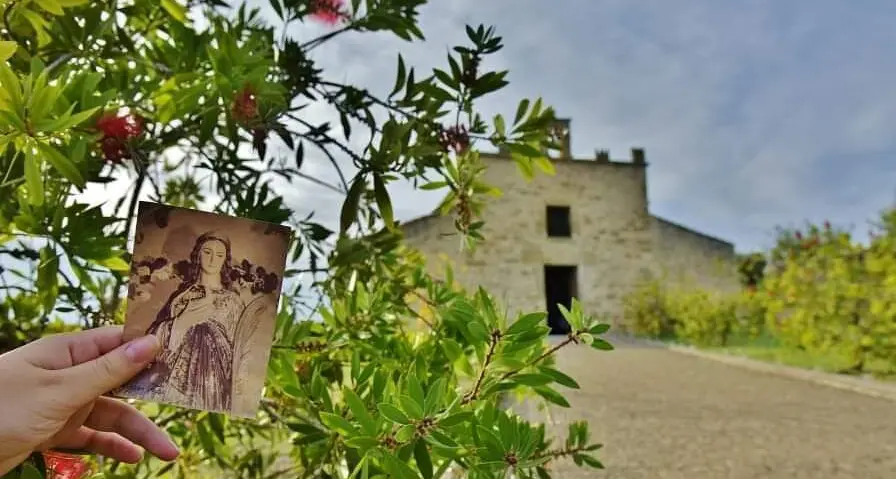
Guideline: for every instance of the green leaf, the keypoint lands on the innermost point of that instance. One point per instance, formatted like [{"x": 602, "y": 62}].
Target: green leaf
[
  {"x": 491, "y": 442},
  {"x": 400, "y": 77},
  {"x": 598, "y": 329},
  {"x": 521, "y": 110},
  {"x": 601, "y": 345},
  {"x": 526, "y": 323},
  {"x": 350, "y": 207},
  {"x": 382, "y": 200},
  {"x": 591, "y": 461},
  {"x": 424, "y": 462},
  {"x": 532, "y": 379},
  {"x": 175, "y": 9},
  {"x": 63, "y": 165},
  {"x": 360, "y": 411},
  {"x": 337, "y": 423},
  {"x": 114, "y": 263},
  {"x": 434, "y": 396},
  {"x": 545, "y": 165},
  {"x": 393, "y": 414},
  {"x": 415, "y": 390},
  {"x": 30, "y": 472},
  {"x": 434, "y": 185},
  {"x": 7, "y": 50},
  {"x": 303, "y": 428},
  {"x": 456, "y": 418},
  {"x": 398, "y": 469},
  {"x": 477, "y": 330},
  {"x": 551, "y": 396},
  {"x": 441, "y": 439},
  {"x": 361, "y": 442},
  {"x": 559, "y": 377},
  {"x": 205, "y": 438},
  {"x": 33, "y": 180},
  {"x": 500, "y": 128},
  {"x": 65, "y": 121},
  {"x": 48, "y": 277},
  {"x": 51, "y": 6},
  {"x": 410, "y": 406}
]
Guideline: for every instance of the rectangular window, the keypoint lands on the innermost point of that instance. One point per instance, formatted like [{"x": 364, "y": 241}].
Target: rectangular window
[{"x": 558, "y": 221}]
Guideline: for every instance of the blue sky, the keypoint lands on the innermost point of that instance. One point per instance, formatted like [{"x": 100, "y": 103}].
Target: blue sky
[{"x": 752, "y": 114}]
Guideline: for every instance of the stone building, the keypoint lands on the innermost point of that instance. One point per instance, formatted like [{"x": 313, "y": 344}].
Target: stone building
[{"x": 585, "y": 232}]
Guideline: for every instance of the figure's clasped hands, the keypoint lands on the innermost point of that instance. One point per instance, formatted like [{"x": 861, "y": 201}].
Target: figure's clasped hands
[{"x": 50, "y": 397}]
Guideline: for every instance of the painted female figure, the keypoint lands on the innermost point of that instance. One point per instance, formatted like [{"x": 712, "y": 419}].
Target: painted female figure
[{"x": 196, "y": 328}]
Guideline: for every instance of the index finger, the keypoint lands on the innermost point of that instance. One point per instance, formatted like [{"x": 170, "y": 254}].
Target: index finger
[{"x": 64, "y": 350}]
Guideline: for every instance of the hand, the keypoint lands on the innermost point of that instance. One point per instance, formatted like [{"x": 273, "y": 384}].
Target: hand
[{"x": 50, "y": 398}]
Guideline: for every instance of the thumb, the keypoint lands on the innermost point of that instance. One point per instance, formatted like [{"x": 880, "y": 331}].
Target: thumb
[{"x": 111, "y": 370}]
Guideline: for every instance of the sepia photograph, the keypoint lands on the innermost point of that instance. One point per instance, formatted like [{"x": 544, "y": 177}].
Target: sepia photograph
[{"x": 208, "y": 287}]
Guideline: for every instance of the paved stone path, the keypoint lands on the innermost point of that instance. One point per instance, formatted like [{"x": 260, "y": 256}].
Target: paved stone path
[{"x": 664, "y": 415}]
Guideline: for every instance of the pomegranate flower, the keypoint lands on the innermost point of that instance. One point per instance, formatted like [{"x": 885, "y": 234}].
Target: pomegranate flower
[{"x": 329, "y": 12}]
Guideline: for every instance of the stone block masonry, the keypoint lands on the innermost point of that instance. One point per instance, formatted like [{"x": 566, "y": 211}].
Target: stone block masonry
[{"x": 613, "y": 242}]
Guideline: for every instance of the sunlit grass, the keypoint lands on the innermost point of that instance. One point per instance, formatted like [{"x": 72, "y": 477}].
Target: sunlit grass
[{"x": 766, "y": 348}]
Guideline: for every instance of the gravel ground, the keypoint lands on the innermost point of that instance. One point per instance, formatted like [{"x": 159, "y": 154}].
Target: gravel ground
[{"x": 665, "y": 415}]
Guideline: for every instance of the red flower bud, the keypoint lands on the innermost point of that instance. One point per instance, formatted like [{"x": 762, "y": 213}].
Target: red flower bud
[
  {"x": 329, "y": 12},
  {"x": 245, "y": 105},
  {"x": 121, "y": 127},
  {"x": 117, "y": 130}
]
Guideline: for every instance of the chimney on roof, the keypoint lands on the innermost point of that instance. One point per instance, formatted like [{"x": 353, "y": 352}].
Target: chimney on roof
[
  {"x": 638, "y": 156},
  {"x": 560, "y": 136},
  {"x": 602, "y": 156}
]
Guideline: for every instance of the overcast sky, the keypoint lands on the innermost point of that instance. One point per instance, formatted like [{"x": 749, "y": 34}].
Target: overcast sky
[{"x": 753, "y": 114}]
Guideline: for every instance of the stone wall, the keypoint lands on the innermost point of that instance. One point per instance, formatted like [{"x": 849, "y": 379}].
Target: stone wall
[
  {"x": 611, "y": 242},
  {"x": 686, "y": 256},
  {"x": 615, "y": 242}
]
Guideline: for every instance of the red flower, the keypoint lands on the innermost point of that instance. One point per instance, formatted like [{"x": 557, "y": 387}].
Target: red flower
[
  {"x": 121, "y": 127},
  {"x": 328, "y": 11},
  {"x": 117, "y": 129},
  {"x": 65, "y": 466},
  {"x": 245, "y": 105}
]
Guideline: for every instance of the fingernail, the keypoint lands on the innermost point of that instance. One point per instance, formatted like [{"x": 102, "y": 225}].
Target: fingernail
[{"x": 142, "y": 349}]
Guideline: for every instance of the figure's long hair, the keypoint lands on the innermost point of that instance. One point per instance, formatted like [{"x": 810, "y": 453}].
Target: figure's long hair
[{"x": 193, "y": 273}]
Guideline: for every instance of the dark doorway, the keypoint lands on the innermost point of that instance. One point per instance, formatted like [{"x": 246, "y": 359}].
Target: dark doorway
[{"x": 559, "y": 287}]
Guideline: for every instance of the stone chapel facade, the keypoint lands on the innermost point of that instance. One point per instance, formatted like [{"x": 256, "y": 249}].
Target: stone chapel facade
[{"x": 585, "y": 232}]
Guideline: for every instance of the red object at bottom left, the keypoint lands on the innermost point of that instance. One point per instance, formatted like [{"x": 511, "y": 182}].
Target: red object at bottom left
[{"x": 66, "y": 466}]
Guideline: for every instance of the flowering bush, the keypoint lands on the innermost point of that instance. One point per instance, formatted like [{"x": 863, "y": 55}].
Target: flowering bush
[
  {"x": 197, "y": 104},
  {"x": 823, "y": 293},
  {"x": 835, "y": 295},
  {"x": 690, "y": 314}
]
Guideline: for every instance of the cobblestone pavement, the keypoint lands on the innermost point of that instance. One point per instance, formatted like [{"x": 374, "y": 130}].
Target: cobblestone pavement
[{"x": 664, "y": 415}]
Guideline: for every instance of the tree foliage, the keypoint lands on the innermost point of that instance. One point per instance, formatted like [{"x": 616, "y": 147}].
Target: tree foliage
[{"x": 204, "y": 105}]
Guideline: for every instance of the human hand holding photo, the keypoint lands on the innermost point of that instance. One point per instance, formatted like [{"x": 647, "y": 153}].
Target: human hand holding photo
[{"x": 50, "y": 397}]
